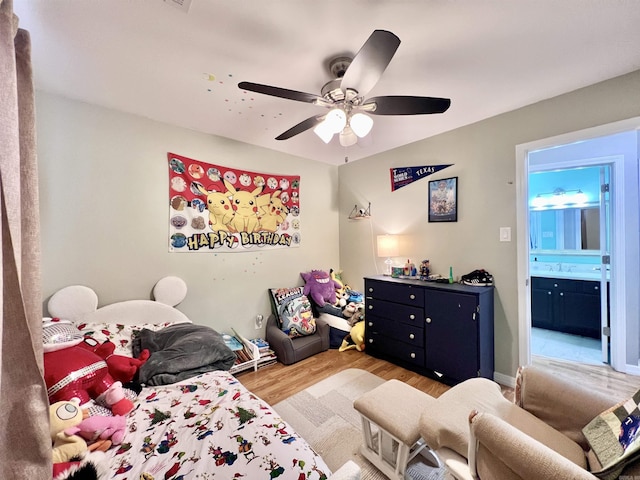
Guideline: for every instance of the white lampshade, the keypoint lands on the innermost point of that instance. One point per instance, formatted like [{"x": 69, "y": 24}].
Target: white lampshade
[
  {"x": 558, "y": 199},
  {"x": 580, "y": 198},
  {"x": 387, "y": 246},
  {"x": 336, "y": 120},
  {"x": 538, "y": 202},
  {"x": 324, "y": 131},
  {"x": 347, "y": 137},
  {"x": 361, "y": 124}
]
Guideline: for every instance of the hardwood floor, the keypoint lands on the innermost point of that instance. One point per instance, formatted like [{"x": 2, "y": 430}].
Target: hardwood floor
[
  {"x": 277, "y": 382},
  {"x": 603, "y": 378}
]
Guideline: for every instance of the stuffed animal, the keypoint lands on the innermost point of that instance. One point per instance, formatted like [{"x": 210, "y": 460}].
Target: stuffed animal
[
  {"x": 343, "y": 299},
  {"x": 349, "y": 310},
  {"x": 340, "y": 285},
  {"x": 121, "y": 368},
  {"x": 354, "y": 296},
  {"x": 92, "y": 466},
  {"x": 73, "y": 371},
  {"x": 355, "y": 338},
  {"x": 63, "y": 415},
  {"x": 100, "y": 432},
  {"x": 354, "y": 312},
  {"x": 320, "y": 287}
]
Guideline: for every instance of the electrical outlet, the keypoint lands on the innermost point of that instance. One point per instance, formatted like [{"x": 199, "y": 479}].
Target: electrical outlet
[{"x": 259, "y": 321}]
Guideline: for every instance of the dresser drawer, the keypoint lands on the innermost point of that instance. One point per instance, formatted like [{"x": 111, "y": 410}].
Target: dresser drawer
[
  {"x": 395, "y": 311},
  {"x": 395, "y": 348},
  {"x": 398, "y": 293},
  {"x": 429, "y": 327},
  {"x": 411, "y": 334}
]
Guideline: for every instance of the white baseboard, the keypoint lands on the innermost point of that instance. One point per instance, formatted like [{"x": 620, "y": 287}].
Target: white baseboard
[
  {"x": 632, "y": 369},
  {"x": 508, "y": 381}
]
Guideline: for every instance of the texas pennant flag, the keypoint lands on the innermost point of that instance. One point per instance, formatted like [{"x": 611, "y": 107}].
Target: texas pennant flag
[{"x": 403, "y": 176}]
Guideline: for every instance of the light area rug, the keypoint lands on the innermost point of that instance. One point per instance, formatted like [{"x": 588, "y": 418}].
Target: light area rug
[{"x": 324, "y": 416}]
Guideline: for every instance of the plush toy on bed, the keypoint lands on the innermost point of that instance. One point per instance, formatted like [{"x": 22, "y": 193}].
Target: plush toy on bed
[
  {"x": 338, "y": 282},
  {"x": 121, "y": 368},
  {"x": 354, "y": 312},
  {"x": 321, "y": 289},
  {"x": 73, "y": 371},
  {"x": 100, "y": 432},
  {"x": 63, "y": 415}
]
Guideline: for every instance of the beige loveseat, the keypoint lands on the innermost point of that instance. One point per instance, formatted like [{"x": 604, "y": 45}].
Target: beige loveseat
[{"x": 478, "y": 433}]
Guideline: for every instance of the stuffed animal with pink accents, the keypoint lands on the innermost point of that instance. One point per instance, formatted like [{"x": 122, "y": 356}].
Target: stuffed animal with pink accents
[
  {"x": 73, "y": 371},
  {"x": 100, "y": 432}
]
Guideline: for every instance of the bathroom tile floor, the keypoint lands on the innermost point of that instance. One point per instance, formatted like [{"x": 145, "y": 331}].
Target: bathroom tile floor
[{"x": 548, "y": 343}]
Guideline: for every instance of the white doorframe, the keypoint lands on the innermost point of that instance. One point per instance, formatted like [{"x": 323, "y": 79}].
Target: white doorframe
[{"x": 618, "y": 271}]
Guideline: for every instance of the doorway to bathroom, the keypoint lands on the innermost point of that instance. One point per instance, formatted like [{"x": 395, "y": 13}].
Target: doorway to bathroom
[
  {"x": 555, "y": 244},
  {"x": 569, "y": 238}
]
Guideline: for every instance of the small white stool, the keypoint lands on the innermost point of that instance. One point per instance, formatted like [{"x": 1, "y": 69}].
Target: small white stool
[{"x": 394, "y": 409}]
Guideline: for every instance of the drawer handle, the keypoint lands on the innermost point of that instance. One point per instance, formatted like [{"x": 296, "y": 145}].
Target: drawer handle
[
  {"x": 370, "y": 307},
  {"x": 413, "y": 355},
  {"x": 428, "y": 320},
  {"x": 562, "y": 294},
  {"x": 555, "y": 284},
  {"x": 371, "y": 324},
  {"x": 370, "y": 289},
  {"x": 371, "y": 340},
  {"x": 412, "y": 317},
  {"x": 596, "y": 287},
  {"x": 412, "y": 296},
  {"x": 412, "y": 336},
  {"x": 548, "y": 293}
]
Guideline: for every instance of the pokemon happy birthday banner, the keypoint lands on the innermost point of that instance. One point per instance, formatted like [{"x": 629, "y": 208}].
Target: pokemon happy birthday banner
[{"x": 214, "y": 208}]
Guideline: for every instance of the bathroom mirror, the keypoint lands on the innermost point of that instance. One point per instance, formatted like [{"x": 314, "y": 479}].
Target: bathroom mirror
[{"x": 565, "y": 229}]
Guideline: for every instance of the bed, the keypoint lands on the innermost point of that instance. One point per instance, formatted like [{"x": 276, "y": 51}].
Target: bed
[{"x": 207, "y": 426}]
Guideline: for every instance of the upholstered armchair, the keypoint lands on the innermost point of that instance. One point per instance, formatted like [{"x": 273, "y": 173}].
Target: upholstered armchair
[
  {"x": 291, "y": 350},
  {"x": 478, "y": 433}
]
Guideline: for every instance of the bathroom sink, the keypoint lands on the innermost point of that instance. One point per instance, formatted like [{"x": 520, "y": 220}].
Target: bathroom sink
[{"x": 575, "y": 275}]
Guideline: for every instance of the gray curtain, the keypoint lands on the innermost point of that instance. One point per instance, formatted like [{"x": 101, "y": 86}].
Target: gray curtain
[{"x": 25, "y": 444}]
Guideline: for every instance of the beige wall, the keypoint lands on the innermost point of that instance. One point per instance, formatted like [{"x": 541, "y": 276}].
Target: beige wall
[
  {"x": 95, "y": 163},
  {"x": 104, "y": 213},
  {"x": 483, "y": 155}
]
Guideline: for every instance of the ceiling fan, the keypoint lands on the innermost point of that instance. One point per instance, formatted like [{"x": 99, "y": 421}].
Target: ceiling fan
[{"x": 345, "y": 95}]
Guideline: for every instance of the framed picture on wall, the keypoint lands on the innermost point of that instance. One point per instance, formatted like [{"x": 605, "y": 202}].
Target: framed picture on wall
[{"x": 443, "y": 200}]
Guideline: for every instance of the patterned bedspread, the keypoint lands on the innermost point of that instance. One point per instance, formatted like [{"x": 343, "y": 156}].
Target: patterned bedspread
[{"x": 210, "y": 427}]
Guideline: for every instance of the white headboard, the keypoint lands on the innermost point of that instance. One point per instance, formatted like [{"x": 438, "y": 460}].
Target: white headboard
[{"x": 80, "y": 304}]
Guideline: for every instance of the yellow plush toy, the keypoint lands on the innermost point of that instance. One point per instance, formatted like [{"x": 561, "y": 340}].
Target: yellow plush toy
[
  {"x": 337, "y": 278},
  {"x": 63, "y": 415},
  {"x": 355, "y": 338}
]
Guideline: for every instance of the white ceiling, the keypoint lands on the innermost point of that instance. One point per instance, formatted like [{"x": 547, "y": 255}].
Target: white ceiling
[{"x": 150, "y": 58}]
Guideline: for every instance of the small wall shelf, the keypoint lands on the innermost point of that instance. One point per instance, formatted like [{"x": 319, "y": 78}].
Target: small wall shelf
[{"x": 360, "y": 213}]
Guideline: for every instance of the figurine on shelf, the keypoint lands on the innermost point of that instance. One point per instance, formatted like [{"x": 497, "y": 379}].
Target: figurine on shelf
[{"x": 424, "y": 270}]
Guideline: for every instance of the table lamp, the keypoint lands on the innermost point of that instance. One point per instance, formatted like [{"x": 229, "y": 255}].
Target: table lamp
[{"x": 388, "y": 247}]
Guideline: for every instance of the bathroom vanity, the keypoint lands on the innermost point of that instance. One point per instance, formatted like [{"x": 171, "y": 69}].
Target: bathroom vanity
[{"x": 566, "y": 298}]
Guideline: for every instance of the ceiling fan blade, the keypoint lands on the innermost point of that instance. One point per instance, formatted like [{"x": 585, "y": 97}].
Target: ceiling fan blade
[
  {"x": 405, "y": 105},
  {"x": 370, "y": 62},
  {"x": 303, "y": 126},
  {"x": 283, "y": 93}
]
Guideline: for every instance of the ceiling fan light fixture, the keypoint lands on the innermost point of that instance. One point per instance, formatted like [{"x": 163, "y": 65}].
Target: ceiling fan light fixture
[
  {"x": 324, "y": 131},
  {"x": 347, "y": 137},
  {"x": 344, "y": 95},
  {"x": 336, "y": 120},
  {"x": 361, "y": 124}
]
